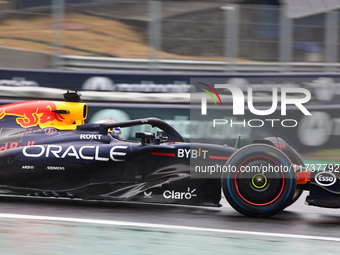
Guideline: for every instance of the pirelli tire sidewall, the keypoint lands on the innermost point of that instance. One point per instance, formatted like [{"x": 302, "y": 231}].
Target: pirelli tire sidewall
[{"x": 259, "y": 201}]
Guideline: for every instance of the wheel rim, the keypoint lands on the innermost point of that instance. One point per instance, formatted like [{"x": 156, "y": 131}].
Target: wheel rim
[
  {"x": 259, "y": 189},
  {"x": 259, "y": 181}
]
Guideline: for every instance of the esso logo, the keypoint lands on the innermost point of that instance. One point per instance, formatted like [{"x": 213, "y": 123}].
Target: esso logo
[{"x": 325, "y": 179}]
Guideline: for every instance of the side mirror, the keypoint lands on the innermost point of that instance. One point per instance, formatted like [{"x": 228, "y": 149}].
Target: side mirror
[
  {"x": 162, "y": 135},
  {"x": 146, "y": 137}
]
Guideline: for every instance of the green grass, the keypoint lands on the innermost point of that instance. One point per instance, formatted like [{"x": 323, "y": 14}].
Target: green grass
[{"x": 332, "y": 155}]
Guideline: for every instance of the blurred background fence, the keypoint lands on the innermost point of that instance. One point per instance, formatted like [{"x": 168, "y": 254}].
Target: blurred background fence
[
  {"x": 101, "y": 46},
  {"x": 165, "y": 36}
]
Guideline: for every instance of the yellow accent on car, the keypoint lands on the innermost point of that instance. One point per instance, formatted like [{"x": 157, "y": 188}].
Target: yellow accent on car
[{"x": 76, "y": 115}]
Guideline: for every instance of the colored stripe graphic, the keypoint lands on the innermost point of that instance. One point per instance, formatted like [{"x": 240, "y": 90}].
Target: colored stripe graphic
[
  {"x": 210, "y": 95},
  {"x": 163, "y": 154},
  {"x": 218, "y": 157},
  {"x": 218, "y": 96}
]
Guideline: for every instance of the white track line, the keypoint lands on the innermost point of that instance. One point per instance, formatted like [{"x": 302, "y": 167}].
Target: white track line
[{"x": 161, "y": 226}]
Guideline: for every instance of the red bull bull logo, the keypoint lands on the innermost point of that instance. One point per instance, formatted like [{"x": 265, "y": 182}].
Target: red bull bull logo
[
  {"x": 7, "y": 146},
  {"x": 34, "y": 113},
  {"x": 303, "y": 177}
]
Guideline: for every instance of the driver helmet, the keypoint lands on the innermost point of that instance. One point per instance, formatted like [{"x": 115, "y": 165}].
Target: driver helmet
[{"x": 115, "y": 133}]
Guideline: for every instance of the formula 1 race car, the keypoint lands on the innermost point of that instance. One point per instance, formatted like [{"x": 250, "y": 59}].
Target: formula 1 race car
[{"x": 47, "y": 151}]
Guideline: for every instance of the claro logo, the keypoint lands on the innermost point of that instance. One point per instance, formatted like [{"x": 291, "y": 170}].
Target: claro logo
[{"x": 177, "y": 195}]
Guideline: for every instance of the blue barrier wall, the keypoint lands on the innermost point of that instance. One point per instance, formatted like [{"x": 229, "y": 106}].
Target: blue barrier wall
[{"x": 325, "y": 87}]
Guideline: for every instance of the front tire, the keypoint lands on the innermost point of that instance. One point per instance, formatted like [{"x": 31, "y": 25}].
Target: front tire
[{"x": 259, "y": 182}]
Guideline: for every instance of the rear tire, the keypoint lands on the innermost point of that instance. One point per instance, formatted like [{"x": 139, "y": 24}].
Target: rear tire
[{"x": 259, "y": 182}]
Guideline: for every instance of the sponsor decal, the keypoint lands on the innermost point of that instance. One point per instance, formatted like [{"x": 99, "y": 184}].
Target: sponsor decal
[
  {"x": 192, "y": 153},
  {"x": 90, "y": 136},
  {"x": 39, "y": 112},
  {"x": 280, "y": 146},
  {"x": 15, "y": 145},
  {"x": 105, "y": 83},
  {"x": 87, "y": 152},
  {"x": 18, "y": 82},
  {"x": 58, "y": 168},
  {"x": 177, "y": 195},
  {"x": 50, "y": 131},
  {"x": 325, "y": 178},
  {"x": 147, "y": 194},
  {"x": 27, "y": 167}
]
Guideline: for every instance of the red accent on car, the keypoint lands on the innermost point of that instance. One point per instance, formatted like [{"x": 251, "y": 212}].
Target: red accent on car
[
  {"x": 163, "y": 154},
  {"x": 303, "y": 177},
  {"x": 32, "y": 113},
  {"x": 219, "y": 157}
]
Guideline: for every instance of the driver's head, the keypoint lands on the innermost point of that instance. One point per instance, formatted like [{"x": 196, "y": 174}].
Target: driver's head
[{"x": 115, "y": 133}]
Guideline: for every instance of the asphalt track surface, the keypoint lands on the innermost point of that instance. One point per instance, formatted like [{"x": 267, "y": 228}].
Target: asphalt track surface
[{"x": 50, "y": 227}]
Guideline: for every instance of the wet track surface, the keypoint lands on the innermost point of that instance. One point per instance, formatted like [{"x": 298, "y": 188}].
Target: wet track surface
[{"x": 40, "y": 227}]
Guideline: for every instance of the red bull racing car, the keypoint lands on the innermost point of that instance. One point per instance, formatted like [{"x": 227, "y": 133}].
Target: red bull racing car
[{"x": 47, "y": 150}]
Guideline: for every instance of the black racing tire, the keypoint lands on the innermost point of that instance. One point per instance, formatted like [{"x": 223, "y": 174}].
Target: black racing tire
[
  {"x": 297, "y": 160},
  {"x": 297, "y": 195},
  {"x": 259, "y": 181}
]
